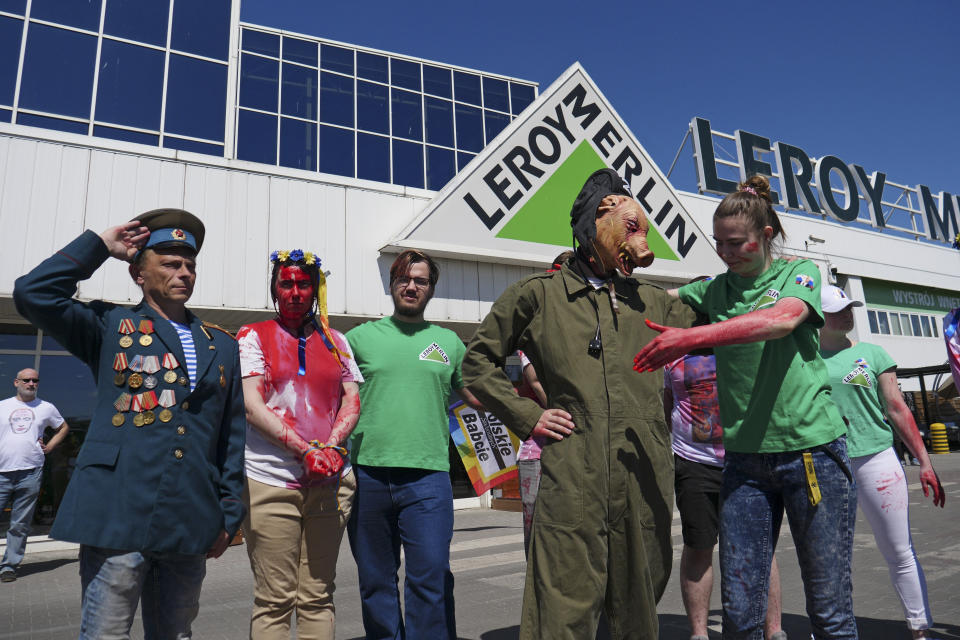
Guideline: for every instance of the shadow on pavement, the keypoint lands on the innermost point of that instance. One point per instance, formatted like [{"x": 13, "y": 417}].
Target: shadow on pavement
[
  {"x": 499, "y": 526},
  {"x": 45, "y": 565}
]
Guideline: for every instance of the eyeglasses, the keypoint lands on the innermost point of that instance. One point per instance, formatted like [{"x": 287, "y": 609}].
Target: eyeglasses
[
  {"x": 421, "y": 283},
  {"x": 29, "y": 379}
]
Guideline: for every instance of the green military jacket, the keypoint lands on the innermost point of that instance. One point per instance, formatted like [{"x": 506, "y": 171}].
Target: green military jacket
[{"x": 552, "y": 317}]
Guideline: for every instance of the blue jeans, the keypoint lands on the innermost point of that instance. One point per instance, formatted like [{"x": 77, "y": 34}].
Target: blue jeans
[
  {"x": 23, "y": 486},
  {"x": 166, "y": 584},
  {"x": 757, "y": 488},
  {"x": 412, "y": 507}
]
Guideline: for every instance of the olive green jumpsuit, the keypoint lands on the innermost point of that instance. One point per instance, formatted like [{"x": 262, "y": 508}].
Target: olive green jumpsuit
[{"x": 601, "y": 531}]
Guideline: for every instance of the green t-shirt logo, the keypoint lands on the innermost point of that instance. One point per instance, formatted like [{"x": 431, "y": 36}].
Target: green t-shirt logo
[
  {"x": 766, "y": 299},
  {"x": 435, "y": 354},
  {"x": 858, "y": 376}
]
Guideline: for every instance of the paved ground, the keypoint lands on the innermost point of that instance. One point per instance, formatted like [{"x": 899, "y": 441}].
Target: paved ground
[{"x": 487, "y": 557}]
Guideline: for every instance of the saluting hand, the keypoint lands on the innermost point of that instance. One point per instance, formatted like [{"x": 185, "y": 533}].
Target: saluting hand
[{"x": 125, "y": 240}]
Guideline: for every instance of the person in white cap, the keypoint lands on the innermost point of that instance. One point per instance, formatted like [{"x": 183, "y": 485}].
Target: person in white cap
[{"x": 864, "y": 385}]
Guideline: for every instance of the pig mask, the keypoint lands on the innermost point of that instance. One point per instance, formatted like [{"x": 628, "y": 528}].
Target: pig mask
[{"x": 610, "y": 225}]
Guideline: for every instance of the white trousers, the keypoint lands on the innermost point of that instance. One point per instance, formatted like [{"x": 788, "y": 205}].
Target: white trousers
[{"x": 882, "y": 494}]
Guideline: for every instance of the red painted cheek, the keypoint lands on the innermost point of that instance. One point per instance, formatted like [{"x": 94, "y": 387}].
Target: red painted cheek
[{"x": 752, "y": 247}]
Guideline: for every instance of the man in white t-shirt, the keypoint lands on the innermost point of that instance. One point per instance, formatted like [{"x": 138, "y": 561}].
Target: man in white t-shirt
[{"x": 23, "y": 419}]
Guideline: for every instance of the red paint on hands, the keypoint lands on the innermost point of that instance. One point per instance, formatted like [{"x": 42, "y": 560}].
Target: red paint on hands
[
  {"x": 664, "y": 348},
  {"x": 930, "y": 481},
  {"x": 316, "y": 463}
]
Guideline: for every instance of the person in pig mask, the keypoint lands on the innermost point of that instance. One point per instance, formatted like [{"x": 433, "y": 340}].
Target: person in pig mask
[{"x": 601, "y": 529}]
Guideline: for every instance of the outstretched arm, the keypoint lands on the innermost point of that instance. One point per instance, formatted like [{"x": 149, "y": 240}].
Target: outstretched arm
[
  {"x": 757, "y": 326},
  {"x": 902, "y": 420}
]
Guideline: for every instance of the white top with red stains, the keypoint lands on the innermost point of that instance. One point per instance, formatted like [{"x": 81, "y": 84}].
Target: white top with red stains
[{"x": 308, "y": 404}]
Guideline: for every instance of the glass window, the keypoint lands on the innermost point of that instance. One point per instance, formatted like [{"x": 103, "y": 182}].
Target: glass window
[
  {"x": 261, "y": 42},
  {"x": 915, "y": 322},
  {"x": 373, "y": 157},
  {"x": 336, "y": 59},
  {"x": 463, "y": 159},
  {"x": 372, "y": 67},
  {"x": 299, "y": 92},
  {"x": 19, "y": 336},
  {"x": 904, "y": 323},
  {"x": 202, "y": 28},
  {"x": 130, "y": 86},
  {"x": 466, "y": 87},
  {"x": 372, "y": 111},
  {"x": 404, "y": 73},
  {"x": 933, "y": 325},
  {"x": 84, "y": 15},
  {"x": 436, "y": 80},
  {"x": 66, "y": 382},
  {"x": 58, "y": 71},
  {"x": 140, "y": 20},
  {"x": 336, "y": 99},
  {"x": 872, "y": 318},
  {"x": 11, "y": 364},
  {"x": 882, "y": 321},
  {"x": 298, "y": 50},
  {"x": 495, "y": 94},
  {"x": 14, "y": 6},
  {"x": 298, "y": 144},
  {"x": 11, "y": 31},
  {"x": 47, "y": 343},
  {"x": 521, "y": 95},
  {"x": 70, "y": 126},
  {"x": 258, "y": 82},
  {"x": 257, "y": 137},
  {"x": 408, "y": 163},
  {"x": 925, "y": 324},
  {"x": 196, "y": 98},
  {"x": 407, "y": 115},
  {"x": 172, "y": 142},
  {"x": 439, "y": 121},
  {"x": 5, "y": 115},
  {"x": 895, "y": 324},
  {"x": 336, "y": 151},
  {"x": 127, "y": 136},
  {"x": 469, "y": 128},
  {"x": 494, "y": 123},
  {"x": 440, "y": 167}
]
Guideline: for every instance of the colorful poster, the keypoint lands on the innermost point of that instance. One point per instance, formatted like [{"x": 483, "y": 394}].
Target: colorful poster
[
  {"x": 950, "y": 335},
  {"x": 488, "y": 449}
]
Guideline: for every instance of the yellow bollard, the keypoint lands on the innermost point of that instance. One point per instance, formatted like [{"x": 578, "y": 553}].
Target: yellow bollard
[{"x": 938, "y": 438}]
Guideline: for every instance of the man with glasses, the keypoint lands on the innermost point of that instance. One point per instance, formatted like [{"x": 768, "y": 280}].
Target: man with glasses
[
  {"x": 400, "y": 454},
  {"x": 23, "y": 420}
]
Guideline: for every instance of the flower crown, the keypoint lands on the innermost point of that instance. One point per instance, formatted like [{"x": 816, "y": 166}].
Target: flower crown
[{"x": 306, "y": 257}]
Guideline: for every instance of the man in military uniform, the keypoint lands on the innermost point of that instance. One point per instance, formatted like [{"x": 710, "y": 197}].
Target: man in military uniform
[
  {"x": 157, "y": 485},
  {"x": 601, "y": 528}
]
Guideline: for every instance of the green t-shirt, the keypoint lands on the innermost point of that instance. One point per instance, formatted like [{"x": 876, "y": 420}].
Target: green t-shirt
[
  {"x": 774, "y": 395},
  {"x": 855, "y": 377},
  {"x": 408, "y": 371}
]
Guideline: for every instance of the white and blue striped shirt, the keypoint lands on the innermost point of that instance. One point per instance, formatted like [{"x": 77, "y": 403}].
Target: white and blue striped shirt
[{"x": 189, "y": 351}]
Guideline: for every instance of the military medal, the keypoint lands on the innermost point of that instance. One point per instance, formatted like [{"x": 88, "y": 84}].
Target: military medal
[
  {"x": 170, "y": 363},
  {"x": 183, "y": 381},
  {"x": 151, "y": 364},
  {"x": 135, "y": 380},
  {"x": 121, "y": 404},
  {"x": 167, "y": 399},
  {"x": 223, "y": 379},
  {"x": 119, "y": 364},
  {"x": 126, "y": 328},
  {"x": 137, "y": 406},
  {"x": 146, "y": 328},
  {"x": 136, "y": 365}
]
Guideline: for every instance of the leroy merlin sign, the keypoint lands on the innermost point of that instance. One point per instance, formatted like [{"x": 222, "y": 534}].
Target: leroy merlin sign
[{"x": 512, "y": 202}]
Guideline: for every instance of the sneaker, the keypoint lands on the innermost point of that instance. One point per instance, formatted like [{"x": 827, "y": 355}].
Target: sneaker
[{"x": 8, "y": 575}]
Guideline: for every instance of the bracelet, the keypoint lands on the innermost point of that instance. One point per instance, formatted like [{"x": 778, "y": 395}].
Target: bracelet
[
  {"x": 315, "y": 444},
  {"x": 312, "y": 448}
]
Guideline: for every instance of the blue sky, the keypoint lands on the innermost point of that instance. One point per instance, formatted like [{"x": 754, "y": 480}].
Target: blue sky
[{"x": 874, "y": 83}]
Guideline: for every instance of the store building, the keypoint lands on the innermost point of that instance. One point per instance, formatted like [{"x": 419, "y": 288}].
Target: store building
[{"x": 274, "y": 139}]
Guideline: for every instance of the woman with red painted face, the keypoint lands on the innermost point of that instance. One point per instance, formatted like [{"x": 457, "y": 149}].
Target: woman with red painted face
[
  {"x": 864, "y": 383},
  {"x": 784, "y": 438},
  {"x": 300, "y": 387}
]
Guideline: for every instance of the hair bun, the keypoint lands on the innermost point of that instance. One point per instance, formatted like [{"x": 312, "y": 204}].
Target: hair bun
[{"x": 760, "y": 185}]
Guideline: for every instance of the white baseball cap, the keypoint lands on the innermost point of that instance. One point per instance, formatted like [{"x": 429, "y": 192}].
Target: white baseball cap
[{"x": 834, "y": 300}]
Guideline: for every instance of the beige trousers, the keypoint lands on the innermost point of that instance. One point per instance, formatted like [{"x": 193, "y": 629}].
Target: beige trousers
[{"x": 293, "y": 538}]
